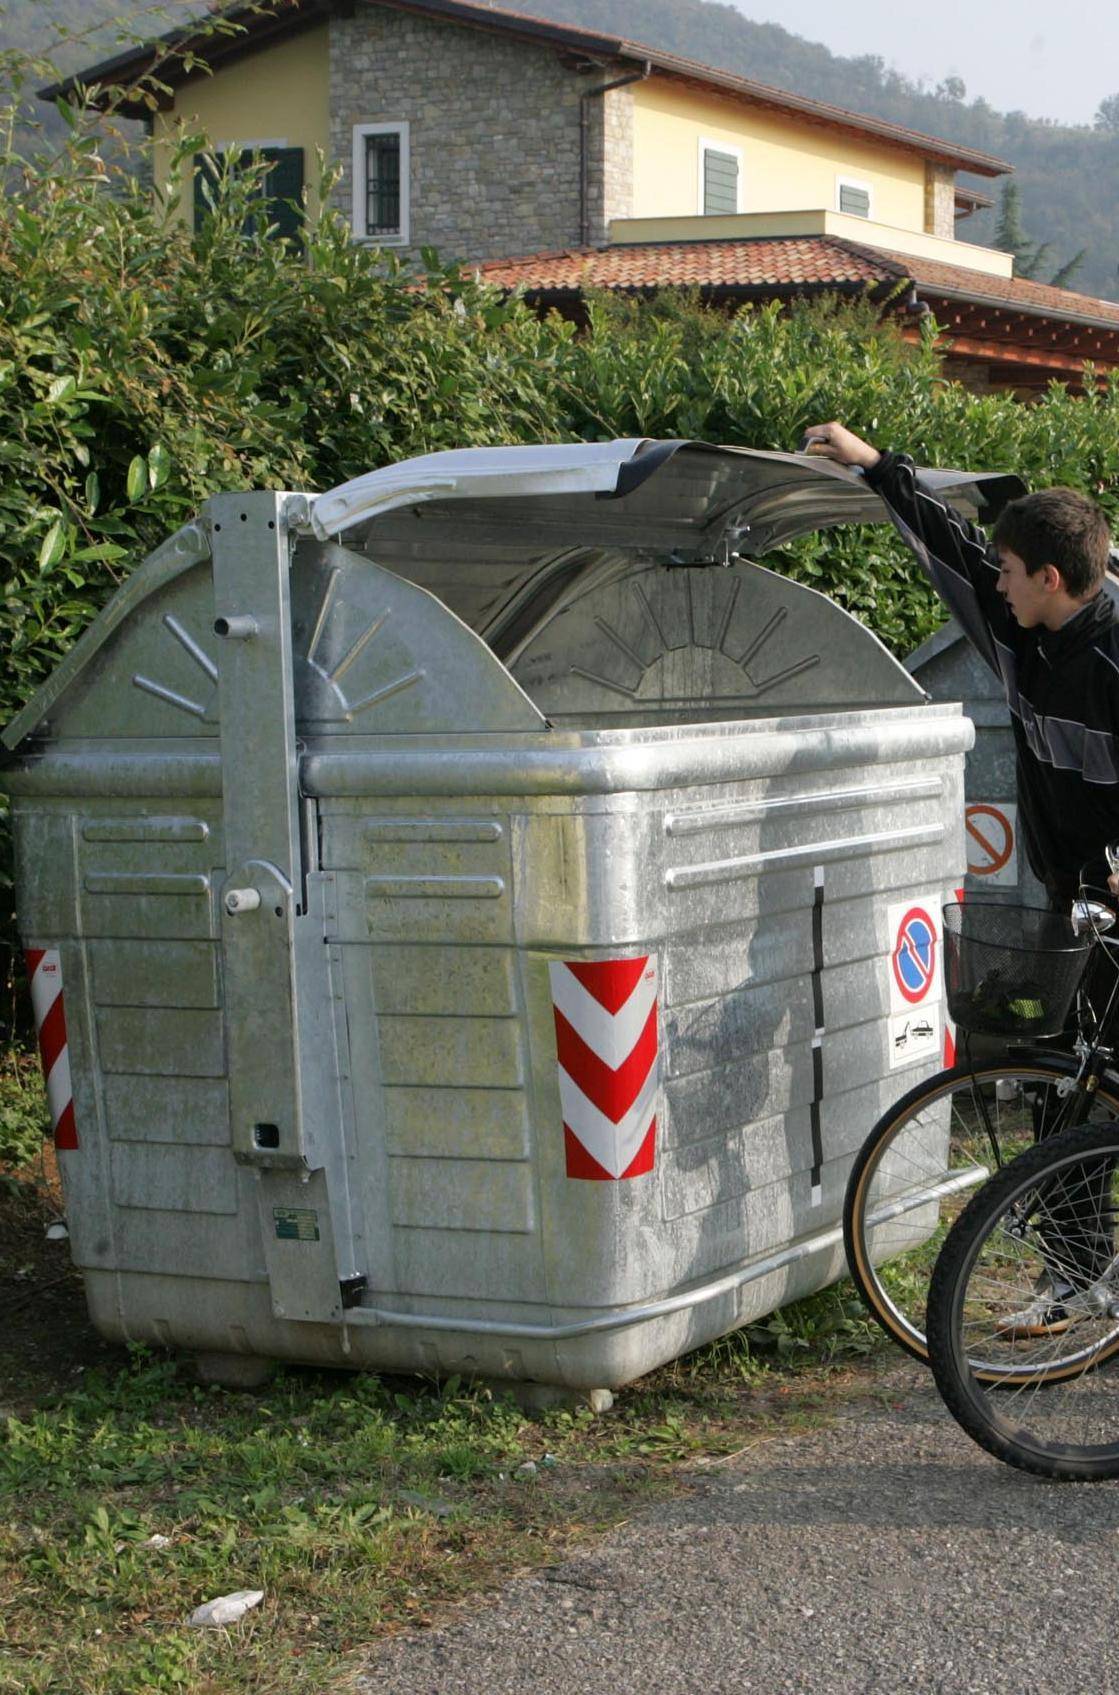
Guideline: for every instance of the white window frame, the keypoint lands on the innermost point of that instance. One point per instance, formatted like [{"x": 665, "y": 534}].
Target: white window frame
[
  {"x": 361, "y": 233},
  {"x": 706, "y": 146},
  {"x": 864, "y": 188}
]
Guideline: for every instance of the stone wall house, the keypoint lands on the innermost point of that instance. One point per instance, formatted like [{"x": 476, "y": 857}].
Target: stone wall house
[{"x": 496, "y": 131}]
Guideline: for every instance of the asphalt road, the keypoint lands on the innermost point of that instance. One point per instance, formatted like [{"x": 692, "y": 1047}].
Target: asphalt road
[{"x": 880, "y": 1553}]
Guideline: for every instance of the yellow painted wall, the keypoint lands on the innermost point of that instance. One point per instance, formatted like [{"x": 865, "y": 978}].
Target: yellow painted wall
[
  {"x": 787, "y": 164},
  {"x": 281, "y": 94}
]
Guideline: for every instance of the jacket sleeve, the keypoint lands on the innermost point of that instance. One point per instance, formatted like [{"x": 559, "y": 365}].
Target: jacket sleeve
[{"x": 956, "y": 555}]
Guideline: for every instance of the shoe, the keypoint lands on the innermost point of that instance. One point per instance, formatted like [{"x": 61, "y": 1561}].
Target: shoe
[
  {"x": 1058, "y": 1305},
  {"x": 1046, "y": 1315}
]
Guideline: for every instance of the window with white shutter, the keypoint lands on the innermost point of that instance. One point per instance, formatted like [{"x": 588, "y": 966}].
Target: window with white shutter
[
  {"x": 852, "y": 197},
  {"x": 719, "y": 172}
]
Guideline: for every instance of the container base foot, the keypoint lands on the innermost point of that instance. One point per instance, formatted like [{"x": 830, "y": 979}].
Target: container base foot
[
  {"x": 546, "y": 1397},
  {"x": 234, "y": 1371}
]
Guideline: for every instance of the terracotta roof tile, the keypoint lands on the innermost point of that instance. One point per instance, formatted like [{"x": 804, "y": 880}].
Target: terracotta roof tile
[
  {"x": 819, "y": 261},
  {"x": 1019, "y": 292},
  {"x": 782, "y": 262}
]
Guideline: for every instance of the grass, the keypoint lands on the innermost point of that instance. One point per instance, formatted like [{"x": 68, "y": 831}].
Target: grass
[
  {"x": 23, "y": 1106},
  {"x": 354, "y": 1505},
  {"x": 360, "y": 1505}
]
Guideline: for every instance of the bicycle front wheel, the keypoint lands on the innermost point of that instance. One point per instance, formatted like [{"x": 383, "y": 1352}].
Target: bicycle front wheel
[
  {"x": 924, "y": 1159},
  {"x": 1028, "y": 1285}
]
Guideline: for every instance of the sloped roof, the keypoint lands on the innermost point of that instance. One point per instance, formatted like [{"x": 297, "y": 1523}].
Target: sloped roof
[
  {"x": 772, "y": 263},
  {"x": 756, "y": 262},
  {"x": 1018, "y": 294},
  {"x": 173, "y": 52}
]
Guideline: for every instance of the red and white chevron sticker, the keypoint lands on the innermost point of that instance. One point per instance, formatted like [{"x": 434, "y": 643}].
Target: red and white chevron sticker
[
  {"x": 44, "y": 968},
  {"x": 606, "y": 1044}
]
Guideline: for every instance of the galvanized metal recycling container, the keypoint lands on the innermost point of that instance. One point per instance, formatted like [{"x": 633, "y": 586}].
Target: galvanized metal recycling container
[{"x": 483, "y": 944}]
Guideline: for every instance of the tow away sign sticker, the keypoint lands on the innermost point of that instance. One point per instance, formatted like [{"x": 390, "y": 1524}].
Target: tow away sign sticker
[{"x": 915, "y": 975}]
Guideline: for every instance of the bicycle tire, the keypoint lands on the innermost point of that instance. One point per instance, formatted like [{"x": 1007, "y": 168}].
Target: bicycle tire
[
  {"x": 1006, "y": 1227},
  {"x": 891, "y": 1265}
]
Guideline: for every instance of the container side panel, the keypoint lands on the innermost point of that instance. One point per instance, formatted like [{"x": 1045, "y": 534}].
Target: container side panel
[
  {"x": 147, "y": 973},
  {"x": 172, "y": 1179},
  {"x": 478, "y": 1124},
  {"x": 468, "y": 1269},
  {"x": 177, "y": 1110},
  {"x": 45, "y": 872},
  {"x": 161, "y": 1042},
  {"x": 452, "y": 1052},
  {"x": 465, "y": 907},
  {"x": 155, "y": 1191},
  {"x": 462, "y": 1194},
  {"x": 192, "y": 1246},
  {"x": 135, "y": 913},
  {"x": 430, "y": 980}
]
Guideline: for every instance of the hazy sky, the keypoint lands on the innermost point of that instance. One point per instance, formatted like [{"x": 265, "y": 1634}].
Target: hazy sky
[{"x": 1049, "y": 60}]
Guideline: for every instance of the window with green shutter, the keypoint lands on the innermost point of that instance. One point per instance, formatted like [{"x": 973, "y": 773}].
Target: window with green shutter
[
  {"x": 280, "y": 188},
  {"x": 854, "y": 199},
  {"x": 720, "y": 181}
]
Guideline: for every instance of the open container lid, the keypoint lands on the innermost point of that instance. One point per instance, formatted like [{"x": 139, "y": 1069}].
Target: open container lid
[
  {"x": 504, "y": 536},
  {"x": 498, "y": 534}
]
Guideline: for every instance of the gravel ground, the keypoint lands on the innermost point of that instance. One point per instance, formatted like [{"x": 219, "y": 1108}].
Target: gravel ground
[{"x": 880, "y": 1553}]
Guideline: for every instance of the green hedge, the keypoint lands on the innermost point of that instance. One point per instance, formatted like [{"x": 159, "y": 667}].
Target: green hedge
[{"x": 143, "y": 368}]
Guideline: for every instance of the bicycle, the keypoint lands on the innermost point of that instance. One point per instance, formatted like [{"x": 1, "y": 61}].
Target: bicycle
[
  {"x": 1012, "y": 972},
  {"x": 1046, "y": 1401}
]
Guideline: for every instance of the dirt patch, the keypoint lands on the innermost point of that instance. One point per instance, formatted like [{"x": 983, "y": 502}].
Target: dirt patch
[{"x": 46, "y": 1339}]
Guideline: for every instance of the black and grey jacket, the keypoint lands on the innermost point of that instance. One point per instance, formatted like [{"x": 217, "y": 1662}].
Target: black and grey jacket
[{"x": 1062, "y": 686}]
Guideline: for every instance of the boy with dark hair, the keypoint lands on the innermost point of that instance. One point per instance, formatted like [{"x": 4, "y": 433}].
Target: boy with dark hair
[
  {"x": 1060, "y": 527},
  {"x": 1032, "y": 602}
]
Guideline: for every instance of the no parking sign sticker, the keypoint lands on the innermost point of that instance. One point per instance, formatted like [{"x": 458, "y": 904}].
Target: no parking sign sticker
[
  {"x": 915, "y": 974},
  {"x": 992, "y": 842}
]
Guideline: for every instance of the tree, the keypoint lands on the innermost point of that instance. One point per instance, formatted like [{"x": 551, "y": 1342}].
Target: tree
[
  {"x": 1107, "y": 115},
  {"x": 1029, "y": 256},
  {"x": 1010, "y": 232},
  {"x": 1063, "y": 277}
]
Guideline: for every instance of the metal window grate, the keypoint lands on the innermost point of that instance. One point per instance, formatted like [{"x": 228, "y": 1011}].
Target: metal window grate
[{"x": 382, "y": 184}]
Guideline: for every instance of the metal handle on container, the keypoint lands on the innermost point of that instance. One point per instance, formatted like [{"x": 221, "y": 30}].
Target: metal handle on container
[{"x": 241, "y": 900}]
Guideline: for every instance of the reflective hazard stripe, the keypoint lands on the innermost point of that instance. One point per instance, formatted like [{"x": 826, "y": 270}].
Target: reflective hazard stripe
[
  {"x": 44, "y": 968},
  {"x": 607, "y": 1050}
]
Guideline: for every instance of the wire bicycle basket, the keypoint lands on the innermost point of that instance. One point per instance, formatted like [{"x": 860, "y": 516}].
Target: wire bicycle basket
[{"x": 1011, "y": 970}]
